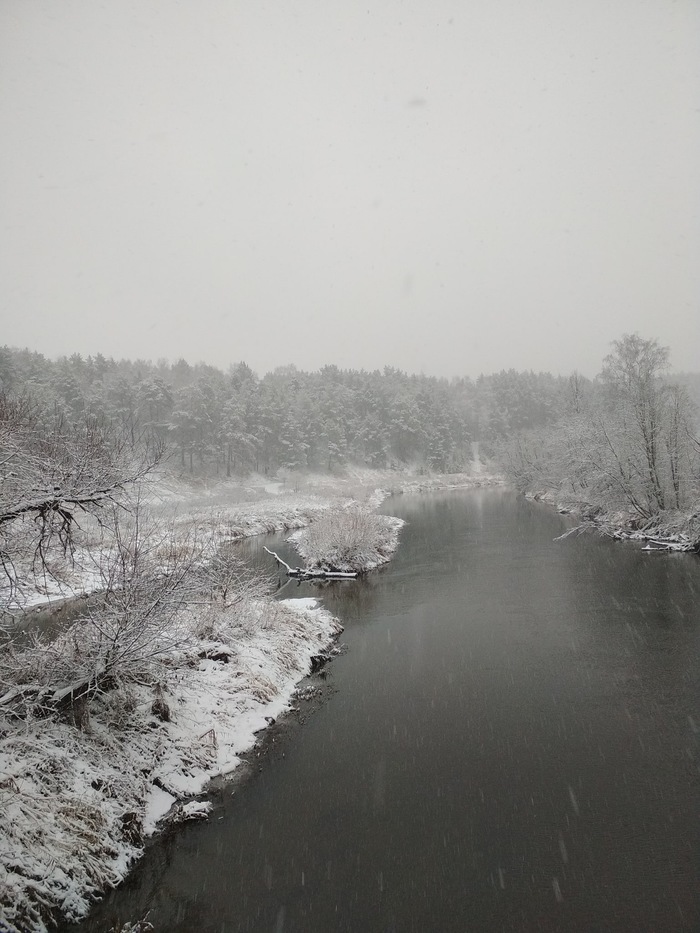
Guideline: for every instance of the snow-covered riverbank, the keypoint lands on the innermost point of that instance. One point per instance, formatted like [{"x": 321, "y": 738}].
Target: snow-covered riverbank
[
  {"x": 75, "y": 806},
  {"x": 668, "y": 531}
]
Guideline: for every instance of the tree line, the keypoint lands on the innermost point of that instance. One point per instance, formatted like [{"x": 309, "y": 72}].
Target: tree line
[
  {"x": 218, "y": 422},
  {"x": 624, "y": 440}
]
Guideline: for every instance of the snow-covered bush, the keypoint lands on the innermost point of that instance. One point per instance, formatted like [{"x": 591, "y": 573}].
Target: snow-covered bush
[
  {"x": 348, "y": 540},
  {"x": 159, "y": 589}
]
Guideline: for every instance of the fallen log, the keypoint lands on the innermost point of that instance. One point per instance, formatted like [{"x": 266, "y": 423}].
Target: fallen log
[
  {"x": 654, "y": 544},
  {"x": 303, "y": 573}
]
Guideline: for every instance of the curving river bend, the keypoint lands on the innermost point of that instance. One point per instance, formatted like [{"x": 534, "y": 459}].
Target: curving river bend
[{"x": 511, "y": 743}]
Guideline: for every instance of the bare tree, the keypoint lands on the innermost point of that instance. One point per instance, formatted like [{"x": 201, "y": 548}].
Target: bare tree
[
  {"x": 625, "y": 447},
  {"x": 229, "y": 581},
  {"x": 633, "y": 375},
  {"x": 153, "y": 580},
  {"x": 52, "y": 472}
]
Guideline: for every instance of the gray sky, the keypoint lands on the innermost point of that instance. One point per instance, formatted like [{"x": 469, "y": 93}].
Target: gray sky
[{"x": 447, "y": 187}]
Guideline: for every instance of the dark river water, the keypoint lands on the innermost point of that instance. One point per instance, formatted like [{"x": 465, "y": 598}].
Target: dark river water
[{"x": 510, "y": 743}]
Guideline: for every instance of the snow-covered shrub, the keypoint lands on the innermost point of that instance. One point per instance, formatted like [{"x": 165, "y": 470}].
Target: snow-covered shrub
[
  {"x": 161, "y": 587},
  {"x": 232, "y": 582},
  {"x": 348, "y": 540}
]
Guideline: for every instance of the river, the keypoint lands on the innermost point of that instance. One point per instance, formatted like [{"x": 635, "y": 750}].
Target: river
[{"x": 509, "y": 743}]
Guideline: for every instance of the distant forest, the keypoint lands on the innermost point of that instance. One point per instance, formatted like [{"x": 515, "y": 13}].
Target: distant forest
[{"x": 221, "y": 423}]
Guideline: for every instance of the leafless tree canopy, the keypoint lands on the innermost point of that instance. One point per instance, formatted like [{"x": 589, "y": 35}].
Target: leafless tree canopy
[
  {"x": 629, "y": 445},
  {"x": 53, "y": 471}
]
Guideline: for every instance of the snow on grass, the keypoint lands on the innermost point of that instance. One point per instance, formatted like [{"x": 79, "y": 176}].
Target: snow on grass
[
  {"x": 438, "y": 481},
  {"x": 350, "y": 540},
  {"x": 279, "y": 514},
  {"x": 75, "y": 806}
]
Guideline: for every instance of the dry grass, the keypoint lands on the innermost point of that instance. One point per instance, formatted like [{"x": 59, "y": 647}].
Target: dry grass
[{"x": 348, "y": 540}]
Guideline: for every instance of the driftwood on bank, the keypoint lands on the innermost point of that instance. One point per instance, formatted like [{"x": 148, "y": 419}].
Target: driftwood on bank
[
  {"x": 302, "y": 573},
  {"x": 679, "y": 543}
]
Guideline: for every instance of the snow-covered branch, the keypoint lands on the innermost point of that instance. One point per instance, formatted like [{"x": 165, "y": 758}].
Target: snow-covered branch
[{"x": 304, "y": 573}]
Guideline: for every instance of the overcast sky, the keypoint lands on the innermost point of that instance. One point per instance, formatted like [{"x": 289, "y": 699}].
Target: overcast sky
[{"x": 441, "y": 186}]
